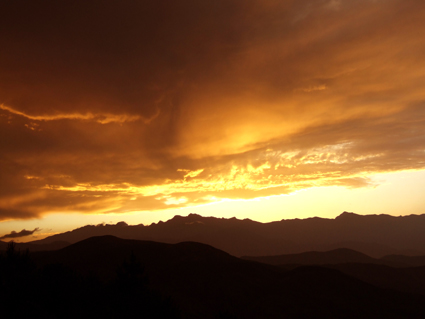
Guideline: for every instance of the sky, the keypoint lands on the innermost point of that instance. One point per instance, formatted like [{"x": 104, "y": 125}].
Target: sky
[{"x": 140, "y": 110}]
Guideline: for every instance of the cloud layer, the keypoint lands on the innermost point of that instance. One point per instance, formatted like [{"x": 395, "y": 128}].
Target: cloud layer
[{"x": 115, "y": 106}]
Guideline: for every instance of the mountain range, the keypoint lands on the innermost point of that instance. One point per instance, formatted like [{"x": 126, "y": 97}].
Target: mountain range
[
  {"x": 373, "y": 235},
  {"x": 206, "y": 267}
]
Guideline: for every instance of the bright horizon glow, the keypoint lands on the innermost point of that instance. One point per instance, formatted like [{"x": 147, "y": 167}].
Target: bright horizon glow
[{"x": 397, "y": 194}]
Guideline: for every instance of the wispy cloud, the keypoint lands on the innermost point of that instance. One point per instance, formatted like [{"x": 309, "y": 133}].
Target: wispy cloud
[
  {"x": 22, "y": 233},
  {"x": 100, "y": 118}
]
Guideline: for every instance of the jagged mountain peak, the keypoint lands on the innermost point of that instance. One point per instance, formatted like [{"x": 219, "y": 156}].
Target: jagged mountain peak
[
  {"x": 375, "y": 235},
  {"x": 346, "y": 214}
]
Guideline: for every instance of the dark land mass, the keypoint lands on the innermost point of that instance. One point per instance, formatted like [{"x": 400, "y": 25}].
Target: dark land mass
[
  {"x": 403, "y": 273},
  {"x": 337, "y": 256},
  {"x": 110, "y": 277},
  {"x": 55, "y": 245},
  {"x": 403, "y": 261},
  {"x": 373, "y": 235},
  {"x": 409, "y": 279}
]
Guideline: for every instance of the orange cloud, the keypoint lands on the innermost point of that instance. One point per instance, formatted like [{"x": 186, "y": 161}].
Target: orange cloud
[
  {"x": 151, "y": 105},
  {"x": 100, "y": 118}
]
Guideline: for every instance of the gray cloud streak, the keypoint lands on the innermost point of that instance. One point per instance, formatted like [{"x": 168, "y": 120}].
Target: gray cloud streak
[{"x": 22, "y": 233}]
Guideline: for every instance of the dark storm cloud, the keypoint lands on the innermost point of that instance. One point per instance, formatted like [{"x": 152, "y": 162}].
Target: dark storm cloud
[
  {"x": 108, "y": 60},
  {"x": 113, "y": 106},
  {"x": 22, "y": 233}
]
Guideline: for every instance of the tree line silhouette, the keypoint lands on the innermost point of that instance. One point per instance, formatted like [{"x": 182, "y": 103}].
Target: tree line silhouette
[
  {"x": 109, "y": 277},
  {"x": 56, "y": 291}
]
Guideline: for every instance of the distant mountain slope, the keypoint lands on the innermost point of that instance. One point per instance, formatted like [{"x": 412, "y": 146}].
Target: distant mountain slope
[
  {"x": 404, "y": 261},
  {"x": 337, "y": 256},
  {"x": 374, "y": 235},
  {"x": 406, "y": 279},
  {"x": 54, "y": 245},
  {"x": 208, "y": 283},
  {"x": 403, "y": 273}
]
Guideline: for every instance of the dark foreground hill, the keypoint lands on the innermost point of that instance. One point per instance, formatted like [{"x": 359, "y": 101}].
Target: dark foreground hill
[
  {"x": 374, "y": 235},
  {"x": 110, "y": 277}
]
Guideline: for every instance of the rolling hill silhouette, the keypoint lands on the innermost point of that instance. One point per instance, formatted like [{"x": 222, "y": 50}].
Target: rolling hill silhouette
[
  {"x": 54, "y": 245},
  {"x": 403, "y": 273},
  {"x": 373, "y": 235},
  {"x": 205, "y": 282},
  {"x": 406, "y": 279},
  {"x": 337, "y": 256},
  {"x": 403, "y": 261}
]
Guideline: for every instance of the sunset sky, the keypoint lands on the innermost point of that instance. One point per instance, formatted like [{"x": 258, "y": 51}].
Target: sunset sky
[{"x": 138, "y": 111}]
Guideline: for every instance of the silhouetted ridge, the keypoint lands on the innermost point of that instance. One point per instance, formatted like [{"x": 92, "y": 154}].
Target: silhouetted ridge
[
  {"x": 205, "y": 282},
  {"x": 122, "y": 224},
  {"x": 37, "y": 246},
  {"x": 347, "y": 215},
  {"x": 63, "y": 290},
  {"x": 373, "y": 235},
  {"x": 337, "y": 256},
  {"x": 196, "y": 250},
  {"x": 101, "y": 254},
  {"x": 404, "y": 261}
]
